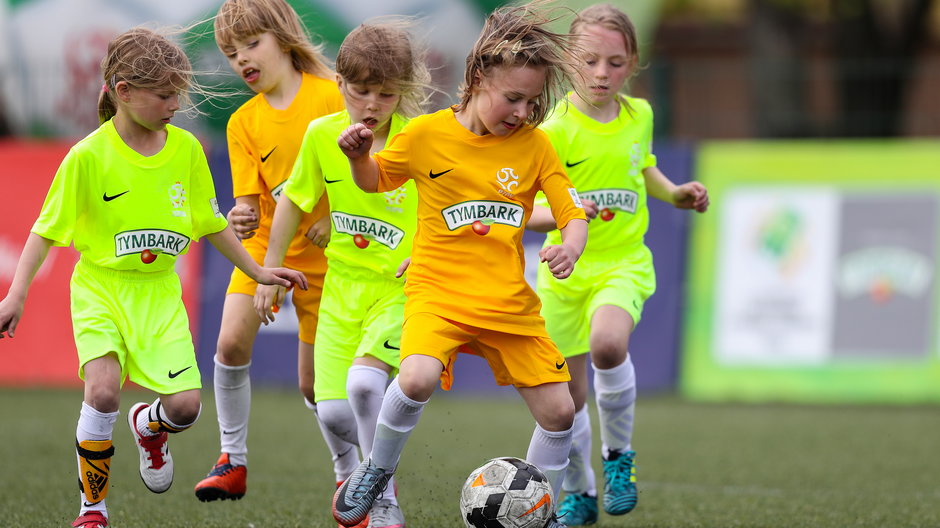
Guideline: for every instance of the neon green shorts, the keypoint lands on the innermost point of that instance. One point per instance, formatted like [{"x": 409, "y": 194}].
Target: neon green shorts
[
  {"x": 569, "y": 304},
  {"x": 361, "y": 314},
  {"x": 139, "y": 317}
]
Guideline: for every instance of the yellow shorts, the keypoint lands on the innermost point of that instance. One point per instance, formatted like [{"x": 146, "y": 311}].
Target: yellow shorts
[
  {"x": 306, "y": 302},
  {"x": 568, "y": 305},
  {"x": 518, "y": 360},
  {"x": 360, "y": 315},
  {"x": 140, "y": 318}
]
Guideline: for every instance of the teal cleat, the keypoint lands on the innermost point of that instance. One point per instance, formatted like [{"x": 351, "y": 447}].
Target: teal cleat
[
  {"x": 620, "y": 495},
  {"x": 578, "y": 510}
]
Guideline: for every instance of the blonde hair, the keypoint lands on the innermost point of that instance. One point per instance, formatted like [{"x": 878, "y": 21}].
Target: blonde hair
[
  {"x": 143, "y": 58},
  {"x": 519, "y": 36},
  {"x": 238, "y": 19},
  {"x": 610, "y": 17},
  {"x": 384, "y": 52}
]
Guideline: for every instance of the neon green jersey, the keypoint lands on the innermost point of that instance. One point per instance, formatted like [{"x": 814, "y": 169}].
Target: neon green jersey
[
  {"x": 605, "y": 162},
  {"x": 126, "y": 211},
  {"x": 370, "y": 230}
]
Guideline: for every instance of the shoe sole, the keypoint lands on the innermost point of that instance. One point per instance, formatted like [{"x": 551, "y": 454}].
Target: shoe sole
[{"x": 214, "y": 494}]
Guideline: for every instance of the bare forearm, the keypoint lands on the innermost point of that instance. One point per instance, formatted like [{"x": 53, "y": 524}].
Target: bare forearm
[
  {"x": 574, "y": 235},
  {"x": 228, "y": 245},
  {"x": 541, "y": 220},
  {"x": 34, "y": 254},
  {"x": 286, "y": 219},
  {"x": 658, "y": 185},
  {"x": 365, "y": 172}
]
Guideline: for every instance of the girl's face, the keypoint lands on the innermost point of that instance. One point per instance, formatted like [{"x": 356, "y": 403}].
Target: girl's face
[
  {"x": 260, "y": 60},
  {"x": 150, "y": 109},
  {"x": 606, "y": 64},
  {"x": 370, "y": 104},
  {"x": 503, "y": 99}
]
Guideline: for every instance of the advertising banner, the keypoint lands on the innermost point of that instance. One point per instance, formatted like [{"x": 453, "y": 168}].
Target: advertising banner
[{"x": 813, "y": 278}]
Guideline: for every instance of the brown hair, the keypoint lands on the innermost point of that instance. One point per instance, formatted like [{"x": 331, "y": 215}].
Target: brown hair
[
  {"x": 238, "y": 19},
  {"x": 519, "y": 36},
  {"x": 384, "y": 52},
  {"x": 145, "y": 59}
]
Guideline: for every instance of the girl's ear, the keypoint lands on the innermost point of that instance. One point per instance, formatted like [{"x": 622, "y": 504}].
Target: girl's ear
[{"x": 123, "y": 91}]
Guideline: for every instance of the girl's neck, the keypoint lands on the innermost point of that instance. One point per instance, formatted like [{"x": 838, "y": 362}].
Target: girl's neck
[
  {"x": 602, "y": 114},
  {"x": 142, "y": 140},
  {"x": 282, "y": 94},
  {"x": 467, "y": 118},
  {"x": 380, "y": 138}
]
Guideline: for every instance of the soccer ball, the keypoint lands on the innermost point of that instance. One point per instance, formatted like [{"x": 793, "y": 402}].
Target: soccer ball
[{"x": 506, "y": 493}]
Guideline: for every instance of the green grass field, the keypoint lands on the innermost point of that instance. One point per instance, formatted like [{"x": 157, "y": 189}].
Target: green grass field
[{"x": 699, "y": 465}]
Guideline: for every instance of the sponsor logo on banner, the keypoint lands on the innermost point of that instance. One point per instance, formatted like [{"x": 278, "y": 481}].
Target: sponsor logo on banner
[
  {"x": 466, "y": 213},
  {"x": 129, "y": 242},
  {"x": 883, "y": 272},
  {"x": 622, "y": 199},
  {"x": 382, "y": 232}
]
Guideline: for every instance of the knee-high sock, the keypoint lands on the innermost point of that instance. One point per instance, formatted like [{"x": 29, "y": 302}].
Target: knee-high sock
[
  {"x": 95, "y": 429},
  {"x": 579, "y": 477},
  {"x": 615, "y": 392},
  {"x": 232, "y": 388},
  {"x": 397, "y": 419},
  {"x": 365, "y": 388},
  {"x": 155, "y": 420},
  {"x": 335, "y": 416},
  {"x": 549, "y": 451}
]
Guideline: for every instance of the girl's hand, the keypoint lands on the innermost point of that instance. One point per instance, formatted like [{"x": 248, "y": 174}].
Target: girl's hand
[
  {"x": 355, "y": 141},
  {"x": 403, "y": 267},
  {"x": 282, "y": 277},
  {"x": 319, "y": 232},
  {"x": 10, "y": 313},
  {"x": 268, "y": 300},
  {"x": 590, "y": 209},
  {"x": 692, "y": 195},
  {"x": 560, "y": 259},
  {"x": 244, "y": 221}
]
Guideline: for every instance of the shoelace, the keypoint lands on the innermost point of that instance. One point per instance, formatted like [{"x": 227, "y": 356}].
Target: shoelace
[
  {"x": 572, "y": 504},
  {"x": 370, "y": 478},
  {"x": 620, "y": 471},
  {"x": 154, "y": 446},
  {"x": 221, "y": 470}
]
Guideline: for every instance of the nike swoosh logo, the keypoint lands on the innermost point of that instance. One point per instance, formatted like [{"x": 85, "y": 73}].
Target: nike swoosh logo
[
  {"x": 229, "y": 432},
  {"x": 569, "y": 164},
  {"x": 560, "y": 365},
  {"x": 432, "y": 174},
  {"x": 89, "y": 505},
  {"x": 265, "y": 158},
  {"x": 332, "y": 181},
  {"x": 389, "y": 346},
  {"x": 107, "y": 198},
  {"x": 172, "y": 374}
]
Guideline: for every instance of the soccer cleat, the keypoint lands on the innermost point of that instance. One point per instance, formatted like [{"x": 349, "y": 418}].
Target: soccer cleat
[
  {"x": 620, "y": 493},
  {"x": 578, "y": 509},
  {"x": 363, "y": 524},
  {"x": 224, "y": 481},
  {"x": 386, "y": 514},
  {"x": 555, "y": 523},
  {"x": 91, "y": 519},
  {"x": 353, "y": 500},
  {"x": 156, "y": 464}
]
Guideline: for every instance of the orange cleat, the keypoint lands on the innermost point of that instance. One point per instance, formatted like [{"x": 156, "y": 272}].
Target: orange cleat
[{"x": 225, "y": 481}]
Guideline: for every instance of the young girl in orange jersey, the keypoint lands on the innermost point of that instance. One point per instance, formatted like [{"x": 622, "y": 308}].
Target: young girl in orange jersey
[
  {"x": 477, "y": 167},
  {"x": 605, "y": 139},
  {"x": 266, "y": 45},
  {"x": 131, "y": 197}
]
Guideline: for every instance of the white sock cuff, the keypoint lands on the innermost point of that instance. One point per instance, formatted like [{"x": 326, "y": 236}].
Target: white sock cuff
[
  {"x": 552, "y": 448},
  {"x": 619, "y": 378},
  {"x": 401, "y": 403},
  {"x": 222, "y": 366},
  {"x": 94, "y": 424},
  {"x": 157, "y": 414},
  {"x": 366, "y": 379}
]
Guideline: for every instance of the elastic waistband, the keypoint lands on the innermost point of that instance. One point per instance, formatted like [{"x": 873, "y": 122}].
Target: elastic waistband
[{"x": 102, "y": 272}]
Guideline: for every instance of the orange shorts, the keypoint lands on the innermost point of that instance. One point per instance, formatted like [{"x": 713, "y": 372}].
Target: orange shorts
[
  {"x": 518, "y": 360},
  {"x": 306, "y": 302}
]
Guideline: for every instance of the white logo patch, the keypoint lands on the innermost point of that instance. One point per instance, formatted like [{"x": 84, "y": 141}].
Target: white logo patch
[
  {"x": 497, "y": 212},
  {"x": 161, "y": 240},
  {"x": 507, "y": 179},
  {"x": 178, "y": 199},
  {"x": 382, "y": 232}
]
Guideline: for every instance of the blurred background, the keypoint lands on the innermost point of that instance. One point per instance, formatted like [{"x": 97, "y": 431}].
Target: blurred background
[{"x": 815, "y": 125}]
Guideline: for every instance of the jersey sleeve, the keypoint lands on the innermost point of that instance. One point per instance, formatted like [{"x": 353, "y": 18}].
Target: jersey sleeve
[
  {"x": 560, "y": 194},
  {"x": 246, "y": 173},
  {"x": 394, "y": 169},
  {"x": 650, "y": 159},
  {"x": 206, "y": 217},
  {"x": 59, "y": 211},
  {"x": 305, "y": 185}
]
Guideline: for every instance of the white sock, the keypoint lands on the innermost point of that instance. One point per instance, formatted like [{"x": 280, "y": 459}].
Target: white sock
[
  {"x": 97, "y": 426},
  {"x": 549, "y": 451},
  {"x": 336, "y": 416},
  {"x": 579, "y": 477},
  {"x": 365, "y": 388},
  {"x": 232, "y": 387},
  {"x": 397, "y": 419},
  {"x": 155, "y": 413},
  {"x": 615, "y": 393}
]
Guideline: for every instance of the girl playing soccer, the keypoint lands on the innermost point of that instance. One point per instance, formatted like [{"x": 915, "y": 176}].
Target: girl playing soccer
[
  {"x": 477, "y": 167},
  {"x": 604, "y": 138},
  {"x": 131, "y": 197},
  {"x": 266, "y": 45},
  {"x": 382, "y": 77}
]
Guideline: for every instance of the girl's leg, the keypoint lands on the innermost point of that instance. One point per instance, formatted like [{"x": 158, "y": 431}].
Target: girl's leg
[
  {"x": 150, "y": 424},
  {"x": 553, "y": 409},
  {"x": 579, "y": 477},
  {"x": 94, "y": 432}
]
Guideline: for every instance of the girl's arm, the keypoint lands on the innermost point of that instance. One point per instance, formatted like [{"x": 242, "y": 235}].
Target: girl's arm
[
  {"x": 691, "y": 195},
  {"x": 11, "y": 307},
  {"x": 355, "y": 142},
  {"x": 561, "y": 258},
  {"x": 244, "y": 216},
  {"x": 542, "y": 221},
  {"x": 229, "y": 246},
  {"x": 287, "y": 217}
]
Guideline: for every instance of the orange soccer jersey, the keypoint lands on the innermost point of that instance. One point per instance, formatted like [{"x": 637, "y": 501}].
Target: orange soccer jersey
[
  {"x": 475, "y": 195},
  {"x": 263, "y": 143}
]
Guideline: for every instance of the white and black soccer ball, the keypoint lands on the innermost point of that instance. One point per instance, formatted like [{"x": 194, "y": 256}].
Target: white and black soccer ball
[{"x": 506, "y": 493}]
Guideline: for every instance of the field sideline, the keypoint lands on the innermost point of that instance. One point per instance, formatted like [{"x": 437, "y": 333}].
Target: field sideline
[{"x": 698, "y": 465}]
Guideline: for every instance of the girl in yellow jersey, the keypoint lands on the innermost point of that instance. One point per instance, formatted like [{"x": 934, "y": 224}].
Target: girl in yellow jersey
[
  {"x": 266, "y": 45},
  {"x": 477, "y": 167},
  {"x": 131, "y": 197},
  {"x": 605, "y": 139}
]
